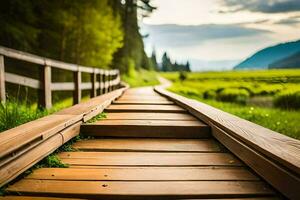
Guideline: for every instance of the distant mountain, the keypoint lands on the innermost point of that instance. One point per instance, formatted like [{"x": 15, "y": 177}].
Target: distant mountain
[
  {"x": 292, "y": 61},
  {"x": 263, "y": 58}
]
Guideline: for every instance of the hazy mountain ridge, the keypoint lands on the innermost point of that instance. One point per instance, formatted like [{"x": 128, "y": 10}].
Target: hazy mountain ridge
[
  {"x": 292, "y": 61},
  {"x": 265, "y": 57}
]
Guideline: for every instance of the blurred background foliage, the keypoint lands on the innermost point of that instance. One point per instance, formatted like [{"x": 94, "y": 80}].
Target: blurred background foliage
[{"x": 98, "y": 33}]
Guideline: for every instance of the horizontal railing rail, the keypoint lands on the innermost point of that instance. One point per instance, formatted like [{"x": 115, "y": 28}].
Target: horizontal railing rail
[{"x": 101, "y": 81}]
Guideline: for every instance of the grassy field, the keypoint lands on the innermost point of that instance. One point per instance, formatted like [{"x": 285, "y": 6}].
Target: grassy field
[
  {"x": 141, "y": 78},
  {"x": 14, "y": 113},
  {"x": 269, "y": 98}
]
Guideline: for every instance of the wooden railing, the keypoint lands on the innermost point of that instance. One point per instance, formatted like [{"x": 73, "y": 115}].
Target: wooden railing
[
  {"x": 102, "y": 81},
  {"x": 273, "y": 156}
]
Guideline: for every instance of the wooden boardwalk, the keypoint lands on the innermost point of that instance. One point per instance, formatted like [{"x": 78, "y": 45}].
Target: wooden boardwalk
[{"x": 147, "y": 148}]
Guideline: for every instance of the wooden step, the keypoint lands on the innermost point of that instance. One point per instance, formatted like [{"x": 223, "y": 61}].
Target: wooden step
[
  {"x": 145, "y": 174},
  {"x": 148, "y": 159},
  {"x": 148, "y": 145},
  {"x": 142, "y": 189},
  {"x": 151, "y": 116},
  {"x": 146, "y": 108},
  {"x": 147, "y": 128},
  {"x": 144, "y": 102}
]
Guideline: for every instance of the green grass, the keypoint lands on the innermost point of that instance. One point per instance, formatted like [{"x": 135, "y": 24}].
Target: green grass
[
  {"x": 233, "y": 92},
  {"x": 141, "y": 78},
  {"x": 97, "y": 117},
  {"x": 14, "y": 112}
]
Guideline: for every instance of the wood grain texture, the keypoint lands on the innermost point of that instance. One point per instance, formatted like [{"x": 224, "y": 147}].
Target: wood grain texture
[
  {"x": 150, "y": 116},
  {"x": 147, "y": 128},
  {"x": 2, "y": 79},
  {"x": 151, "y": 145},
  {"x": 144, "y": 174},
  {"x": 272, "y": 153},
  {"x": 146, "y": 108},
  {"x": 283, "y": 149},
  {"x": 22, "y": 80},
  {"x": 144, "y": 102},
  {"x": 148, "y": 159},
  {"x": 275, "y": 174},
  {"x": 153, "y": 189},
  {"x": 34, "y": 198},
  {"x": 28, "y": 158}
]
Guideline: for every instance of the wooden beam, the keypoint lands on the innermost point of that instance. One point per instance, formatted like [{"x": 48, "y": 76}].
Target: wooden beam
[
  {"x": 94, "y": 87},
  {"x": 22, "y": 80},
  {"x": 45, "y": 96},
  {"x": 279, "y": 153},
  {"x": 2, "y": 79},
  {"x": 77, "y": 91}
]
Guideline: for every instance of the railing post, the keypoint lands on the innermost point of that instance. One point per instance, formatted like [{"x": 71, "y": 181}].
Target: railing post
[
  {"x": 100, "y": 82},
  {"x": 2, "y": 79},
  {"x": 94, "y": 81},
  {"x": 77, "y": 91},
  {"x": 105, "y": 82},
  {"x": 45, "y": 97}
]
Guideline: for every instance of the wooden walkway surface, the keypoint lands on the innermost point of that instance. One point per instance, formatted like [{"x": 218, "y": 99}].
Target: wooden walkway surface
[{"x": 146, "y": 148}]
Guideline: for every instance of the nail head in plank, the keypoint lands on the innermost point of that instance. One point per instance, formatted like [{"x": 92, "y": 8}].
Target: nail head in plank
[
  {"x": 158, "y": 189},
  {"x": 149, "y": 159}
]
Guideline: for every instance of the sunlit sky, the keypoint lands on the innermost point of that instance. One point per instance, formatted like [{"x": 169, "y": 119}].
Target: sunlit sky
[{"x": 217, "y": 34}]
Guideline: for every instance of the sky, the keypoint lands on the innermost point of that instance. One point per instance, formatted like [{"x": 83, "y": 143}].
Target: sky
[{"x": 218, "y": 34}]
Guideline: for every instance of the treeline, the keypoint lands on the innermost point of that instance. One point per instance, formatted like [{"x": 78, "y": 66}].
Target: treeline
[
  {"x": 168, "y": 66},
  {"x": 99, "y": 33}
]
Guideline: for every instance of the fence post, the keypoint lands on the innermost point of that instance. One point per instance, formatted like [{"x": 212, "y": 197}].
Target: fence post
[
  {"x": 2, "y": 79},
  {"x": 94, "y": 81},
  {"x": 77, "y": 91},
  {"x": 45, "y": 97},
  {"x": 104, "y": 82},
  {"x": 100, "y": 82}
]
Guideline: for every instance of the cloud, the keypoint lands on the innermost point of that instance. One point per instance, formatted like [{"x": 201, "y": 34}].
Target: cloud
[
  {"x": 289, "y": 21},
  {"x": 263, "y": 6},
  {"x": 188, "y": 35}
]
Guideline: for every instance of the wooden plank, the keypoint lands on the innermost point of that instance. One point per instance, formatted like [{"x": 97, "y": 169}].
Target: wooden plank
[
  {"x": 279, "y": 153},
  {"x": 142, "y": 189},
  {"x": 41, "y": 129},
  {"x": 142, "y": 97},
  {"x": 276, "y": 175},
  {"x": 22, "y": 80},
  {"x": 27, "y": 159},
  {"x": 77, "y": 91},
  {"x": 46, "y": 97},
  {"x": 2, "y": 79},
  {"x": 34, "y": 198},
  {"x": 150, "y": 116},
  {"x": 144, "y": 108},
  {"x": 143, "y": 102},
  {"x": 63, "y": 86},
  {"x": 148, "y": 159},
  {"x": 94, "y": 85},
  {"x": 147, "y": 128},
  {"x": 279, "y": 147},
  {"x": 144, "y": 174},
  {"x": 155, "y": 145}
]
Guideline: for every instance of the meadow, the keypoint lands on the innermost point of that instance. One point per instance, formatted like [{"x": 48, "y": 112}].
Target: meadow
[{"x": 270, "y": 98}]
